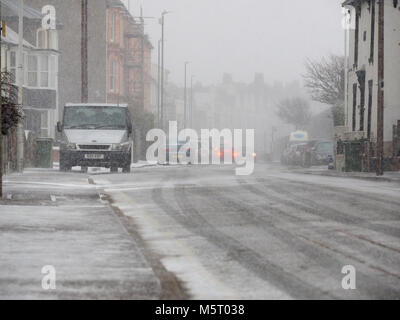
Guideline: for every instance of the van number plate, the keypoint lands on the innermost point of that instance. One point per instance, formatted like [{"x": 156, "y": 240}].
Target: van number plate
[{"x": 94, "y": 156}]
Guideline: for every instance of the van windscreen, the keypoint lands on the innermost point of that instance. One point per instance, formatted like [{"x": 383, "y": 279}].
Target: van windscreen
[{"x": 91, "y": 117}]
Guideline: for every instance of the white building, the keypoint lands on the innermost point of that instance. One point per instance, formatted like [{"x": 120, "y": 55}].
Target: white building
[
  {"x": 362, "y": 106},
  {"x": 40, "y": 66}
]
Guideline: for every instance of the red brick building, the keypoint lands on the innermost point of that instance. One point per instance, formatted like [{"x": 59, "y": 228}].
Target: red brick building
[{"x": 128, "y": 58}]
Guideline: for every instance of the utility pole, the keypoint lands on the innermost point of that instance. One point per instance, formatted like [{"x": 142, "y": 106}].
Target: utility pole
[
  {"x": 185, "y": 99},
  {"x": 84, "y": 52},
  {"x": 20, "y": 127},
  {"x": 380, "y": 113}
]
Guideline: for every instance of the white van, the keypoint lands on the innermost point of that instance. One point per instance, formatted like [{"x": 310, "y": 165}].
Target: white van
[{"x": 96, "y": 135}]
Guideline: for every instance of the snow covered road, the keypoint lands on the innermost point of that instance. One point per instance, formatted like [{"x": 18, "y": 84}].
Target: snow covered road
[
  {"x": 275, "y": 234},
  {"x": 199, "y": 232}
]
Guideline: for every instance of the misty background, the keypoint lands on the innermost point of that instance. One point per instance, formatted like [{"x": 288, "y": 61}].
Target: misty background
[{"x": 243, "y": 36}]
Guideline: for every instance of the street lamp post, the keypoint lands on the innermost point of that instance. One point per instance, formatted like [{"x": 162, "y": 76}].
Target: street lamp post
[
  {"x": 191, "y": 101},
  {"x": 185, "y": 117},
  {"x": 158, "y": 84},
  {"x": 162, "y": 67}
]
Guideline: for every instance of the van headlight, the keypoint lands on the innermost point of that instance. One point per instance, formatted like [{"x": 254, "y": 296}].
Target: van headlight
[{"x": 121, "y": 146}]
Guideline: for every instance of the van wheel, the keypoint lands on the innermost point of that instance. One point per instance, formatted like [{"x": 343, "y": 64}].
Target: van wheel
[
  {"x": 127, "y": 168},
  {"x": 65, "y": 167}
]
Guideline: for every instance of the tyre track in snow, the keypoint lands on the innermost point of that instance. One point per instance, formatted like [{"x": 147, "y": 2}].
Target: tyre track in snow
[
  {"x": 189, "y": 217},
  {"x": 314, "y": 250},
  {"x": 322, "y": 210}
]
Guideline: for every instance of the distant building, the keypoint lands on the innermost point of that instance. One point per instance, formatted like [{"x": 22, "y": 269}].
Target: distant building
[
  {"x": 41, "y": 56},
  {"x": 363, "y": 86},
  {"x": 129, "y": 57}
]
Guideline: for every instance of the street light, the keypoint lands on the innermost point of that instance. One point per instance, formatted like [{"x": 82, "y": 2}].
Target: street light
[
  {"x": 191, "y": 101},
  {"x": 158, "y": 83},
  {"x": 185, "y": 98},
  {"x": 162, "y": 20}
]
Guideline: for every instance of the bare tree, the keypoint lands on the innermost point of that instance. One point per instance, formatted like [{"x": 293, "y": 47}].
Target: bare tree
[
  {"x": 325, "y": 81},
  {"x": 295, "y": 111}
]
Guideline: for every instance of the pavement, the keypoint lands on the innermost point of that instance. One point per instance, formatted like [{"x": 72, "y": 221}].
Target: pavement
[
  {"x": 60, "y": 220},
  {"x": 199, "y": 232},
  {"x": 389, "y": 176}
]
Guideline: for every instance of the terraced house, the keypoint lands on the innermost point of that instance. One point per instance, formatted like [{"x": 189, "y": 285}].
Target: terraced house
[
  {"x": 40, "y": 61},
  {"x": 118, "y": 52},
  {"x": 363, "y": 85}
]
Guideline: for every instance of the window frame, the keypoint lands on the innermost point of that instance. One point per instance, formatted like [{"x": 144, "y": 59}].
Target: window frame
[
  {"x": 33, "y": 72},
  {"x": 112, "y": 26},
  {"x": 112, "y": 75},
  {"x": 50, "y": 72}
]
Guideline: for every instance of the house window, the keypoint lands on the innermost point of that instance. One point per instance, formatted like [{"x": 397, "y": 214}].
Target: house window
[
  {"x": 354, "y": 106},
  {"x": 32, "y": 71},
  {"x": 372, "y": 45},
  {"x": 41, "y": 71},
  {"x": 44, "y": 71},
  {"x": 357, "y": 31},
  {"x": 44, "y": 123},
  {"x": 53, "y": 72},
  {"x": 13, "y": 66},
  {"x": 362, "y": 105},
  {"x": 112, "y": 27},
  {"x": 370, "y": 88},
  {"x": 112, "y": 76}
]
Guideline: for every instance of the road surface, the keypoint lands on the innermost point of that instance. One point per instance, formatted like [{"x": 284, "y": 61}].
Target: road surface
[
  {"x": 201, "y": 232},
  {"x": 275, "y": 234}
]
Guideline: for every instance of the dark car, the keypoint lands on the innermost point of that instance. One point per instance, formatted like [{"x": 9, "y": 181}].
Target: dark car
[{"x": 322, "y": 152}]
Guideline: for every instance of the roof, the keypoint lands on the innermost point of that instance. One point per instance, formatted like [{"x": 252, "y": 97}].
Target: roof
[
  {"x": 351, "y": 2},
  {"x": 113, "y": 105},
  {"x": 9, "y": 8},
  {"x": 12, "y": 38}
]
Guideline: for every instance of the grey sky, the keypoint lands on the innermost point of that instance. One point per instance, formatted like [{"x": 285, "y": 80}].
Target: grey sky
[{"x": 244, "y": 36}]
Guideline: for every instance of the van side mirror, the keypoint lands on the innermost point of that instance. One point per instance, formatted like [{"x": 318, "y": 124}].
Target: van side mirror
[
  {"x": 59, "y": 126},
  {"x": 130, "y": 128}
]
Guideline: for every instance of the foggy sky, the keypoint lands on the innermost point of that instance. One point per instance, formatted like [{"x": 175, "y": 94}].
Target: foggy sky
[{"x": 244, "y": 36}]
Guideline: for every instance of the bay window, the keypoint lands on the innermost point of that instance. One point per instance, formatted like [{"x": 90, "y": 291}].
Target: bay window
[
  {"x": 13, "y": 66},
  {"x": 32, "y": 71},
  {"x": 44, "y": 71},
  {"x": 41, "y": 71}
]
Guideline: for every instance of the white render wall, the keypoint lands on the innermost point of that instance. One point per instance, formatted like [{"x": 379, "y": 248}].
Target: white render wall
[{"x": 392, "y": 69}]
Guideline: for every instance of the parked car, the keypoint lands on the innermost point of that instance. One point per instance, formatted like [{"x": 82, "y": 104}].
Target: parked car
[
  {"x": 96, "y": 135},
  {"x": 322, "y": 152},
  {"x": 296, "y": 154}
]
